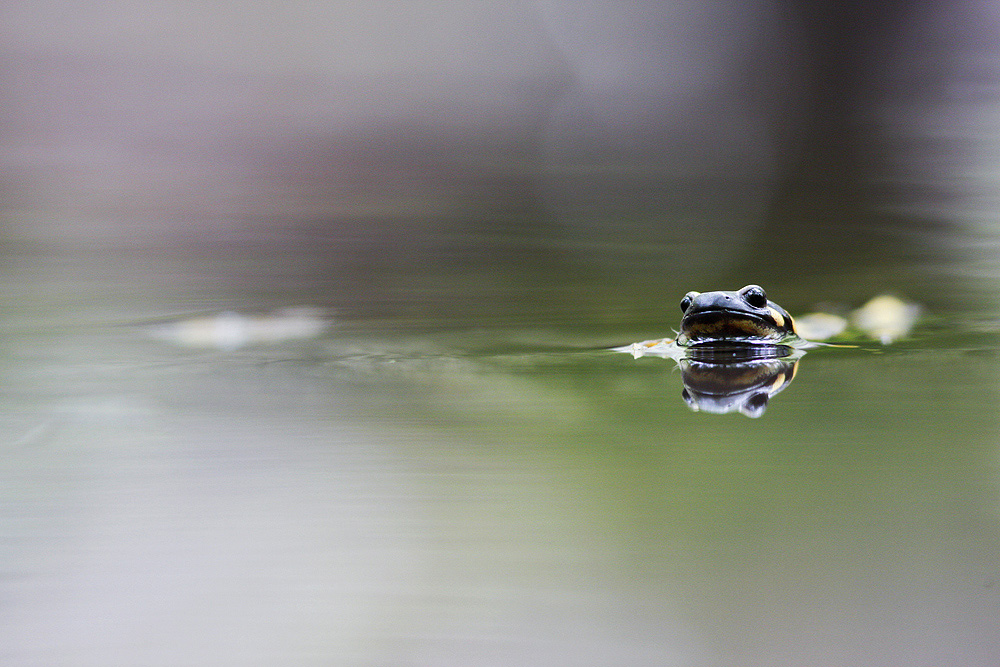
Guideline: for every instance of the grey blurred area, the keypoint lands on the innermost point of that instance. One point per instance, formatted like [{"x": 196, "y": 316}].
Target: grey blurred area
[
  {"x": 583, "y": 141},
  {"x": 303, "y": 306}
]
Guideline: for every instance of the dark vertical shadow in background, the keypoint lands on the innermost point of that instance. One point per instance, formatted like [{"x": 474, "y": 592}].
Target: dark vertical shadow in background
[{"x": 828, "y": 214}]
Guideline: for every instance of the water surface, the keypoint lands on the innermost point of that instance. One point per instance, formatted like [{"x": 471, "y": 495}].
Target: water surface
[{"x": 514, "y": 493}]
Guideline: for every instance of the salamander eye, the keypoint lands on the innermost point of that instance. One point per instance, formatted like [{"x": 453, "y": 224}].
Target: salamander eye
[
  {"x": 754, "y": 295},
  {"x": 687, "y": 300}
]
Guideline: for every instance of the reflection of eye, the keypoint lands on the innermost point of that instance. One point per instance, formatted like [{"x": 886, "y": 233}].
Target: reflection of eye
[
  {"x": 754, "y": 295},
  {"x": 755, "y": 405}
]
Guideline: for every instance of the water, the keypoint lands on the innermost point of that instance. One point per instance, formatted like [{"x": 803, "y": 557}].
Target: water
[
  {"x": 440, "y": 461},
  {"x": 409, "y": 493}
]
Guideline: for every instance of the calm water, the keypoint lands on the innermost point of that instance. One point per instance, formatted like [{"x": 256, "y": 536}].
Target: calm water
[
  {"x": 457, "y": 472},
  {"x": 407, "y": 493}
]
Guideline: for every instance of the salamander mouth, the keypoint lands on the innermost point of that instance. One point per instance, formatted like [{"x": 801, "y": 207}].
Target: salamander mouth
[{"x": 722, "y": 324}]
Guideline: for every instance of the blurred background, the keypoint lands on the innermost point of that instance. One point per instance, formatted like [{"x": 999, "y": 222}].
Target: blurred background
[{"x": 480, "y": 195}]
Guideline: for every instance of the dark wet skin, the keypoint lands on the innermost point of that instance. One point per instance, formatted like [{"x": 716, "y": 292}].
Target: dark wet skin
[{"x": 745, "y": 316}]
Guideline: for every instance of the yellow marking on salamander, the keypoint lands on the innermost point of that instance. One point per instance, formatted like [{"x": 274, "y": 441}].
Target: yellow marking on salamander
[
  {"x": 778, "y": 382},
  {"x": 778, "y": 319}
]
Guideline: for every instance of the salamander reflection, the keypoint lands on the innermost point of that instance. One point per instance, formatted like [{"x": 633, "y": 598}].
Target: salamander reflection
[
  {"x": 728, "y": 378},
  {"x": 730, "y": 386}
]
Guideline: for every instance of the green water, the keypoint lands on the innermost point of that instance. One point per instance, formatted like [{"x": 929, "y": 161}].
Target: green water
[
  {"x": 486, "y": 490},
  {"x": 483, "y": 201}
]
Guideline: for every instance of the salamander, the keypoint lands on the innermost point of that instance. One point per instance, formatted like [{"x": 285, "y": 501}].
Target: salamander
[{"x": 744, "y": 316}]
